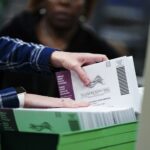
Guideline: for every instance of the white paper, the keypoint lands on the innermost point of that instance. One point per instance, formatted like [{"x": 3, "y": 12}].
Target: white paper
[{"x": 105, "y": 89}]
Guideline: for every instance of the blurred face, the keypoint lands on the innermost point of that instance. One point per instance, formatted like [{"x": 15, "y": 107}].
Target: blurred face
[{"x": 63, "y": 13}]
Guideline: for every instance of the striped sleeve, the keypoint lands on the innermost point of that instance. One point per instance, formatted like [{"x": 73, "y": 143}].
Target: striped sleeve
[
  {"x": 18, "y": 55},
  {"x": 9, "y": 98}
]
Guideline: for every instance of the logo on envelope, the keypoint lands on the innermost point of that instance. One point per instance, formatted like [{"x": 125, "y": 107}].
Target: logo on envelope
[{"x": 98, "y": 80}]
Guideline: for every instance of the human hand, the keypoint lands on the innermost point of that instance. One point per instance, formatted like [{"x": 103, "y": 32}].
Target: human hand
[
  {"x": 75, "y": 61},
  {"x": 37, "y": 101}
]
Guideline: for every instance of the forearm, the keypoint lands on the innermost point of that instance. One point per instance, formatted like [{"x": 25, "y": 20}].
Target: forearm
[
  {"x": 38, "y": 101},
  {"x": 9, "y": 98},
  {"x": 18, "y": 55}
]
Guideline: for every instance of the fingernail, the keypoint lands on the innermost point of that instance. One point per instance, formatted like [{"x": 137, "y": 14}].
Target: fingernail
[{"x": 87, "y": 82}]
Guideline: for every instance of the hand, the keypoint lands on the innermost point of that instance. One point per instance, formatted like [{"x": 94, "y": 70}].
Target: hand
[
  {"x": 75, "y": 61},
  {"x": 37, "y": 101}
]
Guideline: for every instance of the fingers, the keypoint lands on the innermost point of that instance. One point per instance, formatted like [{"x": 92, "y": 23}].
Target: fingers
[
  {"x": 65, "y": 103},
  {"x": 69, "y": 103},
  {"x": 74, "y": 61},
  {"x": 82, "y": 75},
  {"x": 84, "y": 60},
  {"x": 103, "y": 58},
  {"x": 93, "y": 58},
  {"x": 37, "y": 101}
]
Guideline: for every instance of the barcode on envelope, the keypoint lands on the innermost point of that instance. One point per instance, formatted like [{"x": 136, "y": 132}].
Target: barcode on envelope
[{"x": 122, "y": 78}]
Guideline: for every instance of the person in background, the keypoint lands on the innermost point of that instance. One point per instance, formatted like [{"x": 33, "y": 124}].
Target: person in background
[
  {"x": 16, "y": 55},
  {"x": 54, "y": 23}
]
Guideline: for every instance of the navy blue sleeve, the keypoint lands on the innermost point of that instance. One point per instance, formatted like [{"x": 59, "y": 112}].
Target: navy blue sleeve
[
  {"x": 18, "y": 55},
  {"x": 9, "y": 98}
]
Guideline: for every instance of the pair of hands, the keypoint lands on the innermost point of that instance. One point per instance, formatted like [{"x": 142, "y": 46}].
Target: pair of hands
[{"x": 70, "y": 61}]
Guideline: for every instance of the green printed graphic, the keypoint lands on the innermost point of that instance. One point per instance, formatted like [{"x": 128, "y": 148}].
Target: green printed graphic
[{"x": 46, "y": 122}]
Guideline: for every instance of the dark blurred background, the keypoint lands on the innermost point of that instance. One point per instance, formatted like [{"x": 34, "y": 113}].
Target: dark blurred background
[{"x": 123, "y": 23}]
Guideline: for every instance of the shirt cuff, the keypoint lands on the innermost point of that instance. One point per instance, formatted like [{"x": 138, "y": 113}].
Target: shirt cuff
[
  {"x": 9, "y": 98},
  {"x": 44, "y": 59},
  {"x": 21, "y": 96}
]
